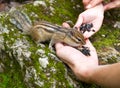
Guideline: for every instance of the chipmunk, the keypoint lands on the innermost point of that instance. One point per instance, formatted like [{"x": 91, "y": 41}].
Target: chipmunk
[{"x": 44, "y": 31}]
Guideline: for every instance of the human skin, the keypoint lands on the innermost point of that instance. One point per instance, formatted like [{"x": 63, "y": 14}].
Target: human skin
[
  {"x": 110, "y": 5},
  {"x": 93, "y": 15},
  {"x": 86, "y": 68}
]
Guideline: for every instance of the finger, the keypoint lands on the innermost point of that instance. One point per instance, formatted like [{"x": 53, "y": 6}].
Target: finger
[
  {"x": 86, "y": 2},
  {"x": 70, "y": 23},
  {"x": 112, "y": 5},
  {"x": 58, "y": 46},
  {"x": 93, "y": 3},
  {"x": 79, "y": 22},
  {"x": 66, "y": 25}
]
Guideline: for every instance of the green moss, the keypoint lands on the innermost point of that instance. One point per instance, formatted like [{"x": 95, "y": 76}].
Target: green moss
[
  {"x": 112, "y": 15},
  {"x": 63, "y": 10},
  {"x": 11, "y": 76},
  {"x": 107, "y": 36},
  {"x": 112, "y": 60},
  {"x": 11, "y": 80}
]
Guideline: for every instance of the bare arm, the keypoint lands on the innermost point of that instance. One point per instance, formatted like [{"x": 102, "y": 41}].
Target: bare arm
[
  {"x": 87, "y": 69},
  {"x": 107, "y": 75},
  {"x": 104, "y": 75}
]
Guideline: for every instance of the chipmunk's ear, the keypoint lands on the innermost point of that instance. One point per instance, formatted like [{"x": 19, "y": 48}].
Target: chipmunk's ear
[
  {"x": 66, "y": 25},
  {"x": 70, "y": 23}
]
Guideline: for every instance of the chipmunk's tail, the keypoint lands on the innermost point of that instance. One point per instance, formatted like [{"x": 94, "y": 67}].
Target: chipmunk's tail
[{"x": 21, "y": 20}]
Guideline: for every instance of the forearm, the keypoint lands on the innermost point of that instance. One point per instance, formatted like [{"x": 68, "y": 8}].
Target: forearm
[
  {"x": 107, "y": 75},
  {"x": 104, "y": 75}
]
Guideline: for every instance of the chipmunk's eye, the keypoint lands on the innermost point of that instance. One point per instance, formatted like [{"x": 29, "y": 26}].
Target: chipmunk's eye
[{"x": 79, "y": 39}]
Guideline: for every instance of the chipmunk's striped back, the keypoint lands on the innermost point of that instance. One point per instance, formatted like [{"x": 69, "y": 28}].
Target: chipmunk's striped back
[{"x": 43, "y": 31}]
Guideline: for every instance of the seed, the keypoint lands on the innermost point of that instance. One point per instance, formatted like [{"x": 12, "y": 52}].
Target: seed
[{"x": 86, "y": 27}]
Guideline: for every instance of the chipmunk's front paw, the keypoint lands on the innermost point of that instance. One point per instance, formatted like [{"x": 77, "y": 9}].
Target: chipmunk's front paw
[{"x": 52, "y": 49}]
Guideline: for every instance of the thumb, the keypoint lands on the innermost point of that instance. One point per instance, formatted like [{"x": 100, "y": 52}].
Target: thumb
[
  {"x": 58, "y": 46},
  {"x": 79, "y": 22},
  {"x": 93, "y": 3},
  {"x": 85, "y": 2}
]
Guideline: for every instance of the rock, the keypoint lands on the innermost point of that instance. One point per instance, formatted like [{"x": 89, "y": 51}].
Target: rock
[
  {"x": 36, "y": 65},
  {"x": 25, "y": 64},
  {"x": 108, "y": 55}
]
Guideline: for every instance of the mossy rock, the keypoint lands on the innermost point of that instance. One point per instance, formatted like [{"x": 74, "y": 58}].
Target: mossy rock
[{"x": 25, "y": 64}]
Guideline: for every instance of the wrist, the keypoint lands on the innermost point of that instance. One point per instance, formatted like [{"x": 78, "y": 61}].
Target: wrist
[{"x": 85, "y": 73}]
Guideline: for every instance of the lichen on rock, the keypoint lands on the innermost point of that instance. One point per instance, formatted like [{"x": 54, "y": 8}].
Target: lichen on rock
[{"x": 25, "y": 64}]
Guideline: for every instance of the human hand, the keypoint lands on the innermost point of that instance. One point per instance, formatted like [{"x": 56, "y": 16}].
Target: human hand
[
  {"x": 79, "y": 63},
  {"x": 92, "y": 3},
  {"x": 95, "y": 16}
]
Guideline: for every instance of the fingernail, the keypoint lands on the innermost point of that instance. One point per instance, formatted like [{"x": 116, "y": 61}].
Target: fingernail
[{"x": 88, "y": 6}]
